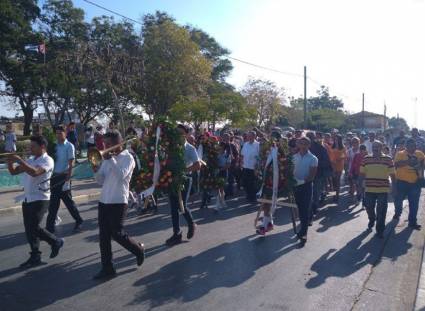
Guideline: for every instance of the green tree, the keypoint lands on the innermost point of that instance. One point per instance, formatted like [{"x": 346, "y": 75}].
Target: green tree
[
  {"x": 398, "y": 123},
  {"x": 20, "y": 70},
  {"x": 324, "y": 100},
  {"x": 173, "y": 65},
  {"x": 267, "y": 99}
]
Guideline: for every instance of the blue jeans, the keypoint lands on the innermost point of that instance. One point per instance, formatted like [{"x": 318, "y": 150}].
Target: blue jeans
[
  {"x": 380, "y": 202},
  {"x": 413, "y": 193}
]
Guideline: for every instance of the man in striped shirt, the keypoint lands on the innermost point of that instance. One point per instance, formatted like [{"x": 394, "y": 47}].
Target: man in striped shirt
[{"x": 376, "y": 169}]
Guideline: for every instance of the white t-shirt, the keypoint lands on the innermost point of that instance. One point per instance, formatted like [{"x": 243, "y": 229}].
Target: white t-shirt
[
  {"x": 250, "y": 153},
  {"x": 114, "y": 175},
  {"x": 368, "y": 145},
  {"x": 34, "y": 191}
]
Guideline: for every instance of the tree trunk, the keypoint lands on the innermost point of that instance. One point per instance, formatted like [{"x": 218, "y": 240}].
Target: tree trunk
[{"x": 28, "y": 116}]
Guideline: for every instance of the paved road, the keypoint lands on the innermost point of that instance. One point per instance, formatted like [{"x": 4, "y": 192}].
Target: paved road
[{"x": 225, "y": 267}]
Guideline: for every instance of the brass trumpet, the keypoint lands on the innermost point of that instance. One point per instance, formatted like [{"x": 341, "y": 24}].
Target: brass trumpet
[
  {"x": 6, "y": 154},
  {"x": 95, "y": 156}
]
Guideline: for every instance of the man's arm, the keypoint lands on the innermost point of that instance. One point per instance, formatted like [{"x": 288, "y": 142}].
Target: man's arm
[
  {"x": 311, "y": 174},
  {"x": 196, "y": 166},
  {"x": 23, "y": 166}
]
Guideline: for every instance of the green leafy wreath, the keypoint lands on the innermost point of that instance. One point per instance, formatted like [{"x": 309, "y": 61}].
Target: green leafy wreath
[{"x": 171, "y": 158}]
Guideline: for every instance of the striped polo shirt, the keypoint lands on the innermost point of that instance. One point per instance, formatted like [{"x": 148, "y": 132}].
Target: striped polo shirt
[{"x": 377, "y": 172}]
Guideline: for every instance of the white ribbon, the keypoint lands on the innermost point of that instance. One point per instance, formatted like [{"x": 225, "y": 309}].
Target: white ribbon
[
  {"x": 272, "y": 157},
  {"x": 156, "y": 168}
]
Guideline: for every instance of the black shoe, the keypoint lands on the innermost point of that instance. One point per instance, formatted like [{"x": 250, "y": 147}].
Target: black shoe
[
  {"x": 415, "y": 227},
  {"x": 141, "y": 256},
  {"x": 174, "y": 240},
  {"x": 56, "y": 248},
  {"x": 77, "y": 227},
  {"x": 370, "y": 225},
  {"x": 33, "y": 261},
  {"x": 396, "y": 217},
  {"x": 191, "y": 231},
  {"x": 105, "y": 273}
]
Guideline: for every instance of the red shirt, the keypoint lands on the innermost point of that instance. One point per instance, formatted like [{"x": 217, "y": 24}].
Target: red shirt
[{"x": 357, "y": 162}]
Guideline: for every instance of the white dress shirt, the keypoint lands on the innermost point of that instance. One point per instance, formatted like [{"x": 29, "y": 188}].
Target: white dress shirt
[
  {"x": 114, "y": 175},
  {"x": 250, "y": 153},
  {"x": 34, "y": 189}
]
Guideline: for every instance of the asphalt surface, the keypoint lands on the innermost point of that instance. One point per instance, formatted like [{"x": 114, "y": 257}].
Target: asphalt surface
[{"x": 224, "y": 267}]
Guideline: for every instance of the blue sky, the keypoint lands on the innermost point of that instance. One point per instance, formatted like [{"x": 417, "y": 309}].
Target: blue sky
[{"x": 352, "y": 46}]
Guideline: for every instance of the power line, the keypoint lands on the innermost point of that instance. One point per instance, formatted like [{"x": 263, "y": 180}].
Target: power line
[
  {"x": 113, "y": 12},
  {"x": 265, "y": 68}
]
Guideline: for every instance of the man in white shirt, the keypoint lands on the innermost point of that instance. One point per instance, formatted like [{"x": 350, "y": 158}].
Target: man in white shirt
[
  {"x": 37, "y": 194},
  {"x": 368, "y": 143},
  {"x": 114, "y": 175},
  {"x": 305, "y": 169},
  {"x": 249, "y": 158}
]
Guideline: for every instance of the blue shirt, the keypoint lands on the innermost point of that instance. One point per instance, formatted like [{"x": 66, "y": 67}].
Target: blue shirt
[
  {"x": 302, "y": 165},
  {"x": 64, "y": 153},
  {"x": 190, "y": 154},
  {"x": 10, "y": 142}
]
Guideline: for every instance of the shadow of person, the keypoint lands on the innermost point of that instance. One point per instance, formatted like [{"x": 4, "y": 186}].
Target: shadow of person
[
  {"x": 41, "y": 287},
  {"x": 332, "y": 217},
  {"x": 344, "y": 262},
  {"x": 226, "y": 265}
]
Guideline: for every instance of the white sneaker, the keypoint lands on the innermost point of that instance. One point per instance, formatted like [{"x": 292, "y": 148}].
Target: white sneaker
[{"x": 58, "y": 220}]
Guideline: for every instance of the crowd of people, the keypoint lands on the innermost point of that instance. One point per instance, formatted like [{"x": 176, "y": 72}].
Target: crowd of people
[{"x": 321, "y": 161}]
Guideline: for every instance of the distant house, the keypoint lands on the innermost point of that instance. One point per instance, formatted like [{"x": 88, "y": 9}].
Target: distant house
[{"x": 372, "y": 121}]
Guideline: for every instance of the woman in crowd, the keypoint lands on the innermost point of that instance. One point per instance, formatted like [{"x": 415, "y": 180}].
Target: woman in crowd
[{"x": 338, "y": 157}]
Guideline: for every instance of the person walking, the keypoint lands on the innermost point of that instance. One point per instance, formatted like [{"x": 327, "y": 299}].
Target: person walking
[
  {"x": 338, "y": 156},
  {"x": 409, "y": 165},
  {"x": 305, "y": 169},
  {"x": 376, "y": 170},
  {"x": 10, "y": 139},
  {"x": 61, "y": 182},
  {"x": 114, "y": 174},
  {"x": 249, "y": 158},
  {"x": 193, "y": 164},
  {"x": 36, "y": 170}
]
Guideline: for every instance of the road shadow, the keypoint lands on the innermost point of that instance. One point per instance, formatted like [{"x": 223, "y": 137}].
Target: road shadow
[
  {"x": 45, "y": 285},
  {"x": 356, "y": 254},
  {"x": 226, "y": 265},
  {"x": 332, "y": 216}
]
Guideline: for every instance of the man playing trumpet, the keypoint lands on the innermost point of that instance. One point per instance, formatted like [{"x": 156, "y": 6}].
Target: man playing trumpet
[
  {"x": 37, "y": 194},
  {"x": 114, "y": 175}
]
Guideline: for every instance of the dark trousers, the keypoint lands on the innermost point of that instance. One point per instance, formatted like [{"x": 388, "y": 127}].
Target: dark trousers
[
  {"x": 111, "y": 222},
  {"x": 249, "y": 180},
  {"x": 175, "y": 206},
  {"x": 303, "y": 196},
  {"x": 33, "y": 214},
  {"x": 230, "y": 181},
  {"x": 376, "y": 205},
  {"x": 413, "y": 194},
  {"x": 57, "y": 182}
]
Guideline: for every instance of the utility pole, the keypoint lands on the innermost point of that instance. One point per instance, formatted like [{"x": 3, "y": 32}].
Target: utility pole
[
  {"x": 305, "y": 96},
  {"x": 385, "y": 116},
  {"x": 363, "y": 125}
]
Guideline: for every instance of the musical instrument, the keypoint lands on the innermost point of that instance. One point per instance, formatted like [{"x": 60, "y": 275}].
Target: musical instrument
[
  {"x": 95, "y": 156},
  {"x": 6, "y": 154}
]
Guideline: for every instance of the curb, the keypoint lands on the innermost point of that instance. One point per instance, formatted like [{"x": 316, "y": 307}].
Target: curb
[{"x": 84, "y": 198}]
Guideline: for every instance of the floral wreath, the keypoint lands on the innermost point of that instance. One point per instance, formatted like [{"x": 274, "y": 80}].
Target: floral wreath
[
  {"x": 170, "y": 155},
  {"x": 286, "y": 169},
  {"x": 210, "y": 178}
]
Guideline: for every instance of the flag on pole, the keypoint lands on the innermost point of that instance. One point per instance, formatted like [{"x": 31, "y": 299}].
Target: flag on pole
[
  {"x": 42, "y": 48},
  {"x": 38, "y": 48}
]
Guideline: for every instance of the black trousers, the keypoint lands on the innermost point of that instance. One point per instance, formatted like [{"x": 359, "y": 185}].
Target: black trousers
[
  {"x": 57, "y": 182},
  {"x": 249, "y": 182},
  {"x": 175, "y": 206},
  {"x": 33, "y": 214},
  {"x": 376, "y": 207},
  {"x": 111, "y": 226},
  {"x": 303, "y": 197},
  {"x": 230, "y": 181}
]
